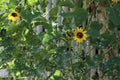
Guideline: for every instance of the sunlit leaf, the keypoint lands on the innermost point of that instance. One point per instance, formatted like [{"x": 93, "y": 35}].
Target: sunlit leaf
[{"x": 2, "y": 1}]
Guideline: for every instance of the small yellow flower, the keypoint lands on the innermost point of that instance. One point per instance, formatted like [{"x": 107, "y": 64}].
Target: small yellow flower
[
  {"x": 80, "y": 35},
  {"x": 14, "y": 16},
  {"x": 115, "y": 1}
]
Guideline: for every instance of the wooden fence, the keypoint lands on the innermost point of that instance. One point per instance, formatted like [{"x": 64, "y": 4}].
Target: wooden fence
[{"x": 102, "y": 18}]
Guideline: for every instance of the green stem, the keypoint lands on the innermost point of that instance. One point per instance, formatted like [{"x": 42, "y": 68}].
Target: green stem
[
  {"x": 109, "y": 3},
  {"x": 71, "y": 63}
]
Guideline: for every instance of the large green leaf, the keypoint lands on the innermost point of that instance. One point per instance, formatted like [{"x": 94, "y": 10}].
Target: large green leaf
[
  {"x": 43, "y": 4},
  {"x": 53, "y": 13},
  {"x": 80, "y": 16},
  {"x": 114, "y": 16},
  {"x": 28, "y": 16},
  {"x": 111, "y": 67},
  {"x": 96, "y": 25},
  {"x": 94, "y": 61},
  {"x": 107, "y": 40},
  {"x": 94, "y": 33}
]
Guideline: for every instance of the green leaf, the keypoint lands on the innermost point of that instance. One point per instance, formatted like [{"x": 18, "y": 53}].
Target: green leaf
[
  {"x": 117, "y": 7},
  {"x": 32, "y": 2},
  {"x": 111, "y": 26},
  {"x": 113, "y": 64},
  {"x": 67, "y": 56},
  {"x": 3, "y": 32},
  {"x": 12, "y": 28},
  {"x": 93, "y": 33},
  {"x": 43, "y": 4},
  {"x": 80, "y": 15},
  {"x": 2, "y": 1},
  {"x": 89, "y": 61},
  {"x": 57, "y": 73},
  {"x": 47, "y": 38},
  {"x": 97, "y": 60},
  {"x": 66, "y": 3},
  {"x": 67, "y": 15},
  {"x": 94, "y": 37},
  {"x": 96, "y": 25},
  {"x": 12, "y": 3},
  {"x": 54, "y": 11},
  {"x": 26, "y": 13},
  {"x": 107, "y": 40},
  {"x": 3, "y": 7},
  {"x": 114, "y": 16}
]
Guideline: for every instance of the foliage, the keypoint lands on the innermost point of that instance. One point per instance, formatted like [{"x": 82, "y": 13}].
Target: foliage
[{"x": 53, "y": 54}]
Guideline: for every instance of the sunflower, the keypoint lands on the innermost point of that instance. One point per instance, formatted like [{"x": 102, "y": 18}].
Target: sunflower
[
  {"x": 80, "y": 35},
  {"x": 14, "y": 16},
  {"x": 115, "y": 1}
]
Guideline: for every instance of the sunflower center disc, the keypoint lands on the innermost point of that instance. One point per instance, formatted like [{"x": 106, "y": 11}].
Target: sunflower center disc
[
  {"x": 79, "y": 35},
  {"x": 14, "y": 14}
]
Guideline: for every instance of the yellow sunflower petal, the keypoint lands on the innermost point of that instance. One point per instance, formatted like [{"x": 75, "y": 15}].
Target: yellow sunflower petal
[
  {"x": 80, "y": 35},
  {"x": 115, "y": 1},
  {"x": 14, "y": 16}
]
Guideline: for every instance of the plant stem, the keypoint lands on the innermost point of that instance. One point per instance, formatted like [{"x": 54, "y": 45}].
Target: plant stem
[{"x": 73, "y": 73}]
